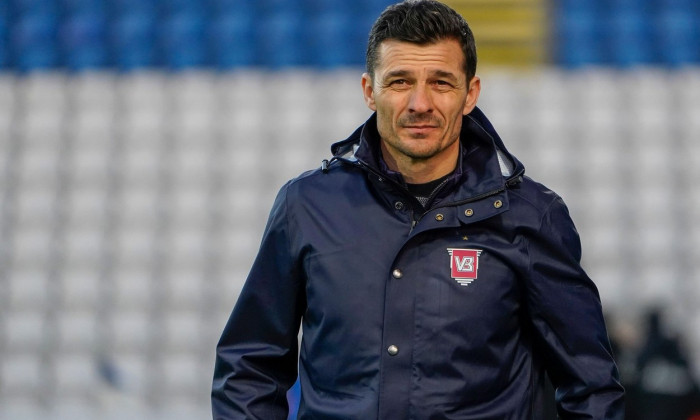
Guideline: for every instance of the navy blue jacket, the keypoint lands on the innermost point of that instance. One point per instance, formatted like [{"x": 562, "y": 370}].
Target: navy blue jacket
[{"x": 455, "y": 312}]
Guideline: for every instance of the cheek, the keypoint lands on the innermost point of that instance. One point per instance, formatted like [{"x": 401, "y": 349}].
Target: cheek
[
  {"x": 386, "y": 111},
  {"x": 385, "y": 123},
  {"x": 459, "y": 112},
  {"x": 454, "y": 123}
]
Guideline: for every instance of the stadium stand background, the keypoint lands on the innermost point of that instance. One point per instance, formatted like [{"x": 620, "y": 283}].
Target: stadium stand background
[{"x": 142, "y": 143}]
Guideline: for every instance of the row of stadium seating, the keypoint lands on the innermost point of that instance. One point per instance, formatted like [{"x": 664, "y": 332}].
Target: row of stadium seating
[
  {"x": 227, "y": 34},
  {"x": 76, "y": 35},
  {"x": 626, "y": 33}
]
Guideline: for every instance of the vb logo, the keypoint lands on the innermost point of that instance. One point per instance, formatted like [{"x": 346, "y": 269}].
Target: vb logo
[{"x": 464, "y": 264}]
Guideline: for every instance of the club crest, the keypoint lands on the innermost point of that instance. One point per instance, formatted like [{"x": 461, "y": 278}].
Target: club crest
[{"x": 464, "y": 264}]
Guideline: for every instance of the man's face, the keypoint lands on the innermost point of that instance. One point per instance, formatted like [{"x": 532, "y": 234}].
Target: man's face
[{"x": 420, "y": 94}]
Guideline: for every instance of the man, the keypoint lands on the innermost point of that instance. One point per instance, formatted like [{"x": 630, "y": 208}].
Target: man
[{"x": 431, "y": 278}]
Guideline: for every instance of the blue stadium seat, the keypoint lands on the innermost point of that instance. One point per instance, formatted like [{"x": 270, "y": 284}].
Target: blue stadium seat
[
  {"x": 132, "y": 40},
  {"x": 325, "y": 33},
  {"x": 627, "y": 6},
  {"x": 630, "y": 39},
  {"x": 280, "y": 40},
  {"x": 271, "y": 7},
  {"x": 232, "y": 41},
  {"x": 315, "y": 7},
  {"x": 182, "y": 41},
  {"x": 242, "y": 7},
  {"x": 4, "y": 39},
  {"x": 569, "y": 7},
  {"x": 374, "y": 6},
  {"x": 119, "y": 7},
  {"x": 361, "y": 29},
  {"x": 33, "y": 42},
  {"x": 83, "y": 42},
  {"x": 182, "y": 6},
  {"x": 82, "y": 6},
  {"x": 23, "y": 7},
  {"x": 687, "y": 5},
  {"x": 579, "y": 40},
  {"x": 330, "y": 40},
  {"x": 677, "y": 35},
  {"x": 336, "y": 40}
]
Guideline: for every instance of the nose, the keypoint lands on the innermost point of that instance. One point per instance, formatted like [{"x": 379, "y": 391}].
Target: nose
[{"x": 420, "y": 100}]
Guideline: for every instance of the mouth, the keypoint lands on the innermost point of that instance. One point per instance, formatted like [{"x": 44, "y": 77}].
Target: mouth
[
  {"x": 420, "y": 128},
  {"x": 419, "y": 131}
]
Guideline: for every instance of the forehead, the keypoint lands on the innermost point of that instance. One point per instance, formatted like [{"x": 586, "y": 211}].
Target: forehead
[{"x": 445, "y": 54}]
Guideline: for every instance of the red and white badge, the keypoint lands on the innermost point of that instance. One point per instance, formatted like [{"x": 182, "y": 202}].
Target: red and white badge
[{"x": 464, "y": 264}]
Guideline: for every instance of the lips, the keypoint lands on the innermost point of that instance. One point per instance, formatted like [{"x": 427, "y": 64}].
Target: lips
[{"x": 420, "y": 128}]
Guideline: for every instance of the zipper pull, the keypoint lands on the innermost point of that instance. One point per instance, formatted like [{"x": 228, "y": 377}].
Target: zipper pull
[
  {"x": 325, "y": 163},
  {"x": 515, "y": 181},
  {"x": 413, "y": 224}
]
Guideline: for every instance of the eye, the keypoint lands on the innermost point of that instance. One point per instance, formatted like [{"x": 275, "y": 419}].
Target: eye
[{"x": 398, "y": 82}]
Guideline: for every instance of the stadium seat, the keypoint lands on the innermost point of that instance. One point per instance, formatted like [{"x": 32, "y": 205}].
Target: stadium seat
[
  {"x": 80, "y": 281},
  {"x": 280, "y": 37},
  {"x": 689, "y": 6},
  {"x": 34, "y": 205},
  {"x": 568, "y": 7},
  {"x": 83, "y": 42},
  {"x": 25, "y": 331},
  {"x": 23, "y": 7},
  {"x": 628, "y": 6},
  {"x": 33, "y": 42},
  {"x": 630, "y": 40},
  {"x": 4, "y": 33},
  {"x": 182, "y": 41},
  {"x": 77, "y": 374},
  {"x": 132, "y": 41},
  {"x": 73, "y": 7},
  {"x": 170, "y": 7},
  {"x": 579, "y": 40},
  {"x": 318, "y": 7},
  {"x": 232, "y": 40},
  {"x": 333, "y": 41},
  {"x": 676, "y": 36},
  {"x": 27, "y": 289},
  {"x": 286, "y": 7},
  {"x": 182, "y": 332},
  {"x": 22, "y": 373},
  {"x": 131, "y": 329},
  {"x": 244, "y": 7},
  {"x": 77, "y": 330}
]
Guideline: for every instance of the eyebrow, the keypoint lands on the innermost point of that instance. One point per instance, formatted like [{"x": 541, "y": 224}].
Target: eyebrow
[
  {"x": 406, "y": 73},
  {"x": 396, "y": 73},
  {"x": 445, "y": 74}
]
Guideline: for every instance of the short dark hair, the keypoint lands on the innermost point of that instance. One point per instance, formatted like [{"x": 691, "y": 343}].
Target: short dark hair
[{"x": 421, "y": 22}]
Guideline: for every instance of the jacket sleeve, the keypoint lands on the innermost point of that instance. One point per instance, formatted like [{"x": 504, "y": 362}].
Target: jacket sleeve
[
  {"x": 565, "y": 311},
  {"x": 256, "y": 357}
]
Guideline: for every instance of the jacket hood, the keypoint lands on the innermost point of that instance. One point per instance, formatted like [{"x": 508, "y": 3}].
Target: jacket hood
[{"x": 484, "y": 165}]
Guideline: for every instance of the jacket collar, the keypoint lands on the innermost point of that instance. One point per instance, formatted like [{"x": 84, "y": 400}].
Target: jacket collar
[{"x": 484, "y": 165}]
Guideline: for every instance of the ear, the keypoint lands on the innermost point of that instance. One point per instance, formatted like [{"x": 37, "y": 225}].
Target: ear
[
  {"x": 472, "y": 95},
  {"x": 368, "y": 91}
]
